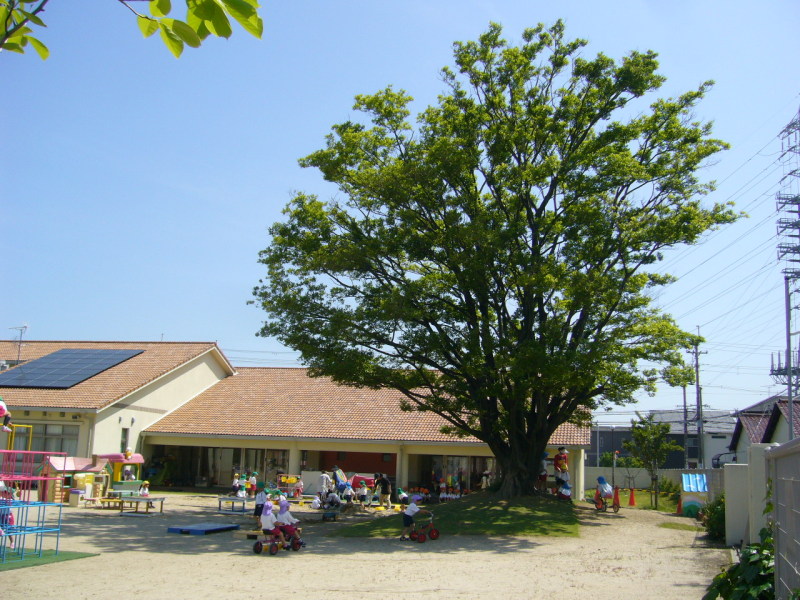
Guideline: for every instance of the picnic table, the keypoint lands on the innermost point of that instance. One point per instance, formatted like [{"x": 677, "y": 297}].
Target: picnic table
[
  {"x": 233, "y": 502},
  {"x": 136, "y": 501}
]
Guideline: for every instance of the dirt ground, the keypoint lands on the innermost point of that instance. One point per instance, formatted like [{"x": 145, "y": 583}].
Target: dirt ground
[{"x": 617, "y": 557}]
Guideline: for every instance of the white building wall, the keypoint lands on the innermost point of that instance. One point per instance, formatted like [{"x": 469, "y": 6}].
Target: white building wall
[{"x": 150, "y": 403}]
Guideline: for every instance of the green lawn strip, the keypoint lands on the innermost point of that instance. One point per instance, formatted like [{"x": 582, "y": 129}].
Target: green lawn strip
[
  {"x": 481, "y": 514},
  {"x": 666, "y": 503},
  {"x": 48, "y": 556}
]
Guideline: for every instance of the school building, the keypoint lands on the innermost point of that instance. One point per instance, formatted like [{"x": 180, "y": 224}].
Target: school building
[{"x": 197, "y": 419}]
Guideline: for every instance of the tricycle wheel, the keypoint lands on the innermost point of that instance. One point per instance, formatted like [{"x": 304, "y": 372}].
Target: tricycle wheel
[
  {"x": 616, "y": 508},
  {"x": 598, "y": 505},
  {"x": 433, "y": 534},
  {"x": 296, "y": 544},
  {"x": 413, "y": 536},
  {"x": 421, "y": 537},
  {"x": 273, "y": 548},
  {"x": 258, "y": 547}
]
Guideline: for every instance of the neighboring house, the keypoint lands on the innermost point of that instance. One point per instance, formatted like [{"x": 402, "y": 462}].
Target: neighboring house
[
  {"x": 718, "y": 427},
  {"x": 764, "y": 422},
  {"x": 183, "y": 405}
]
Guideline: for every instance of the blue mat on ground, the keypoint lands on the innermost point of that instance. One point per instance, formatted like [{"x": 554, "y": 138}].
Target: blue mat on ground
[{"x": 202, "y": 528}]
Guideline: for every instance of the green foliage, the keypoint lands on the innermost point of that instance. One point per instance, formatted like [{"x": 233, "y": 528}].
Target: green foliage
[
  {"x": 714, "y": 518},
  {"x": 203, "y": 18},
  {"x": 667, "y": 486},
  {"x": 495, "y": 262},
  {"x": 752, "y": 577},
  {"x": 623, "y": 462},
  {"x": 650, "y": 445}
]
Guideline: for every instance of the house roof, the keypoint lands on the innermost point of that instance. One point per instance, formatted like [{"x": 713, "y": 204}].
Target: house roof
[
  {"x": 287, "y": 403},
  {"x": 105, "y": 388},
  {"x": 753, "y": 421},
  {"x": 781, "y": 411}
]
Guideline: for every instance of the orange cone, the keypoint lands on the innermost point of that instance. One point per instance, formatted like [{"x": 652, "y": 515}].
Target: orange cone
[
  {"x": 632, "y": 499},
  {"x": 679, "y": 510}
]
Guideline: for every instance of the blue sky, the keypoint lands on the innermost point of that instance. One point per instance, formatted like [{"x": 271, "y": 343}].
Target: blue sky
[{"x": 137, "y": 189}]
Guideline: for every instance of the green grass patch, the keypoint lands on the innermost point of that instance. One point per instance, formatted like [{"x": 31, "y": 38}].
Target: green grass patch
[
  {"x": 481, "y": 514},
  {"x": 48, "y": 556},
  {"x": 681, "y": 526},
  {"x": 666, "y": 502}
]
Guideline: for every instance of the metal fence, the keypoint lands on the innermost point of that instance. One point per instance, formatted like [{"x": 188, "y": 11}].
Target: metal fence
[{"x": 784, "y": 470}]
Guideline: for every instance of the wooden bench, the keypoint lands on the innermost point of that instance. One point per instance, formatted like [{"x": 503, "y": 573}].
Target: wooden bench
[
  {"x": 233, "y": 501},
  {"x": 136, "y": 501}
]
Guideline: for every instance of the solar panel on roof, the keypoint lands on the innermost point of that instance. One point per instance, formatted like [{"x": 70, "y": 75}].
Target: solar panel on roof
[{"x": 64, "y": 368}]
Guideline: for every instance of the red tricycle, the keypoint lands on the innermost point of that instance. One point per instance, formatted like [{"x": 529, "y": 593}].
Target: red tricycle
[
  {"x": 601, "y": 504},
  {"x": 274, "y": 543},
  {"x": 424, "y": 532}
]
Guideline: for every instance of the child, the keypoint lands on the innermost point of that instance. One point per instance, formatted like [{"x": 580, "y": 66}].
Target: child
[
  {"x": 235, "y": 485},
  {"x": 6, "y": 414},
  {"x": 261, "y": 500},
  {"x": 402, "y": 496},
  {"x": 332, "y": 501},
  {"x": 408, "y": 515},
  {"x": 541, "y": 481},
  {"x": 349, "y": 493},
  {"x": 565, "y": 492},
  {"x": 144, "y": 490},
  {"x": 363, "y": 493},
  {"x": 316, "y": 503},
  {"x": 298, "y": 488},
  {"x": 603, "y": 490},
  {"x": 287, "y": 522},
  {"x": 253, "y": 483},
  {"x": 269, "y": 525}
]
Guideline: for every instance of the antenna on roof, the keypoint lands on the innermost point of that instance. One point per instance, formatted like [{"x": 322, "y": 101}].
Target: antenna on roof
[{"x": 22, "y": 329}]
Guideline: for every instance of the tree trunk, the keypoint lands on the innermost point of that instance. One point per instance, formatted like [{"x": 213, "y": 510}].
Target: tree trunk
[{"x": 519, "y": 469}]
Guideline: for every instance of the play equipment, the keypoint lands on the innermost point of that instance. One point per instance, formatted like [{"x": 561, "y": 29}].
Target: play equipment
[
  {"x": 20, "y": 438},
  {"x": 202, "y": 528},
  {"x": 75, "y": 477},
  {"x": 601, "y": 504},
  {"x": 120, "y": 463},
  {"x": 24, "y": 519},
  {"x": 424, "y": 532},
  {"x": 694, "y": 493},
  {"x": 274, "y": 544}
]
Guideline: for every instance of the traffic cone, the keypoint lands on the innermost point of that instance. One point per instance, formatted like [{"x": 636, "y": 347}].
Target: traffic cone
[
  {"x": 632, "y": 499},
  {"x": 679, "y": 510}
]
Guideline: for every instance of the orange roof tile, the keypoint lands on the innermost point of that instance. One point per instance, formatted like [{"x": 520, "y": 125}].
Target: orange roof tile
[
  {"x": 286, "y": 402},
  {"x": 104, "y": 388}
]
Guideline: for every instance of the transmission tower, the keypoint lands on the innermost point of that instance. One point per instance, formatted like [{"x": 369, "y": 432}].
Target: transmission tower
[{"x": 788, "y": 199}]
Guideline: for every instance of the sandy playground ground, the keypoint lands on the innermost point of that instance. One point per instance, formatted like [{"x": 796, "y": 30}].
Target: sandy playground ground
[{"x": 626, "y": 556}]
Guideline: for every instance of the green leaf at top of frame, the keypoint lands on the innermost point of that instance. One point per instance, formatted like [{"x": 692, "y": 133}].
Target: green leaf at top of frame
[
  {"x": 186, "y": 33},
  {"x": 33, "y": 18},
  {"x": 147, "y": 25},
  {"x": 40, "y": 48},
  {"x": 160, "y": 8},
  {"x": 171, "y": 39},
  {"x": 246, "y": 15}
]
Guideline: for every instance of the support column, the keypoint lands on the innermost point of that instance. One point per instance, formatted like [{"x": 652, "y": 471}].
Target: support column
[
  {"x": 401, "y": 473},
  {"x": 294, "y": 461}
]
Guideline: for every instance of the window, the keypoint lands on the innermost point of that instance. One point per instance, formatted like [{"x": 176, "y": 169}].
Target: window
[
  {"x": 123, "y": 440},
  {"x": 55, "y": 438}
]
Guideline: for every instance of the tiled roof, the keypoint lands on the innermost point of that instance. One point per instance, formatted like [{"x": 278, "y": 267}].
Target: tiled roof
[
  {"x": 104, "y": 388},
  {"x": 755, "y": 426},
  {"x": 783, "y": 405},
  {"x": 286, "y": 402}
]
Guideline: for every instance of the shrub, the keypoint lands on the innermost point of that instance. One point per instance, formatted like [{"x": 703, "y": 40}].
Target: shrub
[
  {"x": 714, "y": 518},
  {"x": 752, "y": 577}
]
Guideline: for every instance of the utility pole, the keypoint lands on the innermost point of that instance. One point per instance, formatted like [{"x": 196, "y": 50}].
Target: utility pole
[
  {"x": 789, "y": 202},
  {"x": 699, "y": 394},
  {"x": 685, "y": 430}
]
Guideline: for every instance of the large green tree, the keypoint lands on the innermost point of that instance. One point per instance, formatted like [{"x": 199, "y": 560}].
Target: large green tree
[
  {"x": 495, "y": 262},
  {"x": 203, "y": 18}
]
